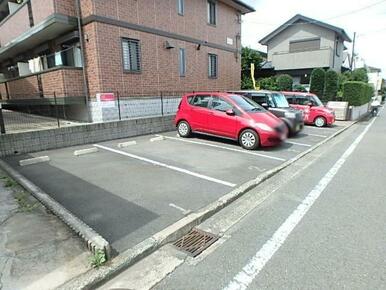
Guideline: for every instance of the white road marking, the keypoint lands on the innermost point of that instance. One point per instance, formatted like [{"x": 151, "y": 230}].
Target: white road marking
[
  {"x": 225, "y": 148},
  {"x": 184, "y": 211},
  {"x": 256, "y": 168},
  {"x": 250, "y": 271},
  {"x": 158, "y": 138},
  {"x": 298, "y": 144},
  {"x": 215, "y": 180},
  {"x": 316, "y": 135},
  {"x": 293, "y": 150}
]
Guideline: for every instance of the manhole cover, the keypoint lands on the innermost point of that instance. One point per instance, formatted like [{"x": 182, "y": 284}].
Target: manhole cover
[{"x": 195, "y": 242}]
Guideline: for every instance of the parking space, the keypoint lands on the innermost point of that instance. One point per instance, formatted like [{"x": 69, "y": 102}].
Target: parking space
[{"x": 128, "y": 193}]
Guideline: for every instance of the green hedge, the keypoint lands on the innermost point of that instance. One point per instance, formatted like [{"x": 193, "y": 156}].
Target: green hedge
[
  {"x": 331, "y": 89},
  {"x": 284, "y": 82},
  {"x": 318, "y": 78},
  {"x": 357, "y": 93}
]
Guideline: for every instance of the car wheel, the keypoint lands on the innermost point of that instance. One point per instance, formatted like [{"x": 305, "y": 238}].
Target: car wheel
[
  {"x": 320, "y": 122},
  {"x": 184, "y": 129},
  {"x": 249, "y": 139}
]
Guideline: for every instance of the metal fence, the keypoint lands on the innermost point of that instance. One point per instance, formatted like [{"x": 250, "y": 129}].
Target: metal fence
[{"x": 35, "y": 112}]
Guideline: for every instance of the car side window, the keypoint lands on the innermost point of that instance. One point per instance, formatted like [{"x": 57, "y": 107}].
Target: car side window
[
  {"x": 291, "y": 99},
  {"x": 259, "y": 98},
  {"x": 303, "y": 101},
  {"x": 219, "y": 104},
  {"x": 201, "y": 101}
]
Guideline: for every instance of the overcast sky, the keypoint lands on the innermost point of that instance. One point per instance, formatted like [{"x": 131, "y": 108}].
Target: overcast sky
[{"x": 366, "y": 17}]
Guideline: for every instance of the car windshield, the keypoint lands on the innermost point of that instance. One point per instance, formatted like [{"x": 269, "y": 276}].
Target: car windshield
[
  {"x": 247, "y": 104},
  {"x": 280, "y": 100},
  {"x": 317, "y": 101}
]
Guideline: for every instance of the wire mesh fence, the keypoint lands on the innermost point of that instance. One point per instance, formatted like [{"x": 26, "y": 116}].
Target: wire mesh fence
[{"x": 37, "y": 112}]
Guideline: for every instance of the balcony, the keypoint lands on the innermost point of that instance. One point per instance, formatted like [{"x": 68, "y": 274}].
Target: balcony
[
  {"x": 303, "y": 59},
  {"x": 63, "y": 81},
  {"x": 33, "y": 23}
]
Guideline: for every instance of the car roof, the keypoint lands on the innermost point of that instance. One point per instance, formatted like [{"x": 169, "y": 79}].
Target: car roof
[
  {"x": 299, "y": 93},
  {"x": 254, "y": 91}
]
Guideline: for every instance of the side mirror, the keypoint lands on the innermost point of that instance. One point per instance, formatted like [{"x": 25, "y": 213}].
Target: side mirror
[
  {"x": 230, "y": 112},
  {"x": 310, "y": 104}
]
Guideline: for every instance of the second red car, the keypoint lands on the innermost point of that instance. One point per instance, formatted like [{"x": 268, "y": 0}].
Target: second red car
[
  {"x": 229, "y": 116},
  {"x": 315, "y": 112}
]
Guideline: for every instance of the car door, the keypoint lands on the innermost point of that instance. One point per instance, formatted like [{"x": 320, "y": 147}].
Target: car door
[
  {"x": 219, "y": 122},
  {"x": 303, "y": 104},
  {"x": 199, "y": 112}
]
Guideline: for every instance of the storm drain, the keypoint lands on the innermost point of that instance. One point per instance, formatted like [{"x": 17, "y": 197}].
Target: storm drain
[{"x": 195, "y": 242}]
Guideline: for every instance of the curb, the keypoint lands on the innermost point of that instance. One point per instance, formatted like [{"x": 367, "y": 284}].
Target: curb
[
  {"x": 94, "y": 278},
  {"x": 94, "y": 241}
]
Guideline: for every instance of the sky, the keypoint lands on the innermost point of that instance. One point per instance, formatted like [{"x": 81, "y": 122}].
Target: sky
[{"x": 365, "y": 17}]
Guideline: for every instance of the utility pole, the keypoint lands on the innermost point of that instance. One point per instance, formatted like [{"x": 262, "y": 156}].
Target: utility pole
[{"x": 353, "y": 52}]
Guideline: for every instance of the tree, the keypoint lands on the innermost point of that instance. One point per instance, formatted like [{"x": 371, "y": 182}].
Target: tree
[
  {"x": 359, "y": 75},
  {"x": 284, "y": 82},
  {"x": 249, "y": 56},
  {"x": 331, "y": 89},
  {"x": 318, "y": 77}
]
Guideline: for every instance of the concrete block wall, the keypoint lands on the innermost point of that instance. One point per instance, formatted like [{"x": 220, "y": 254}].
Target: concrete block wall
[{"x": 28, "y": 142}]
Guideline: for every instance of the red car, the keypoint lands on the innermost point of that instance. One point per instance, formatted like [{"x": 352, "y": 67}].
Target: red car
[
  {"x": 315, "y": 112},
  {"x": 229, "y": 116}
]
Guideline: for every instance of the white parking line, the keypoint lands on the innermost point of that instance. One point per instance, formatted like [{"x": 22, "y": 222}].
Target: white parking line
[
  {"x": 219, "y": 181},
  {"x": 250, "y": 271},
  {"x": 299, "y": 144},
  {"x": 316, "y": 135},
  {"x": 223, "y": 147},
  {"x": 184, "y": 211}
]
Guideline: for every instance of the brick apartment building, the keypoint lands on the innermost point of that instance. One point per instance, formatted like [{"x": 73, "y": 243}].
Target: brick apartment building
[{"x": 135, "y": 47}]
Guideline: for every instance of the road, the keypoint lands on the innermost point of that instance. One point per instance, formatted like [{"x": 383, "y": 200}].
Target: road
[{"x": 319, "y": 224}]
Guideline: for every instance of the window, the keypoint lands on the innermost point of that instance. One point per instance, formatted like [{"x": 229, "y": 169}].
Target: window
[
  {"x": 219, "y": 104},
  {"x": 212, "y": 12},
  {"x": 181, "y": 7},
  {"x": 182, "y": 62},
  {"x": 247, "y": 104},
  {"x": 259, "y": 98},
  {"x": 304, "y": 101},
  {"x": 201, "y": 101},
  {"x": 131, "y": 55},
  {"x": 304, "y": 45},
  {"x": 212, "y": 68}
]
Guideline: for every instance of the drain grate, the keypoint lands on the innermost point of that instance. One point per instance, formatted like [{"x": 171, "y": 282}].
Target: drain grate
[{"x": 195, "y": 242}]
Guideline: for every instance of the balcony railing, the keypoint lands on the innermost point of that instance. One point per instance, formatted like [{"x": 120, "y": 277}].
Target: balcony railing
[
  {"x": 32, "y": 14},
  {"x": 63, "y": 81},
  {"x": 303, "y": 59}
]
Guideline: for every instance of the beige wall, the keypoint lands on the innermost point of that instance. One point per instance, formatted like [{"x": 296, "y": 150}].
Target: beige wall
[{"x": 278, "y": 49}]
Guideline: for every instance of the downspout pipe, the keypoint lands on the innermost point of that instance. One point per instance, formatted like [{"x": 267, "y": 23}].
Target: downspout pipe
[{"x": 83, "y": 58}]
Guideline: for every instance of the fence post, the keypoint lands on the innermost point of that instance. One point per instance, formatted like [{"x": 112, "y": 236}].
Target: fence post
[
  {"x": 162, "y": 104},
  {"x": 56, "y": 109},
  {"x": 119, "y": 106},
  {"x": 2, "y": 126}
]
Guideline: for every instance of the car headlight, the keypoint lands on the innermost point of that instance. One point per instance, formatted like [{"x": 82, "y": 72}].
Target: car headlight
[
  {"x": 264, "y": 127},
  {"x": 290, "y": 115}
]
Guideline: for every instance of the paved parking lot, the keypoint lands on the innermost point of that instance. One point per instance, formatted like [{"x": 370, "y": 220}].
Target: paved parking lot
[{"x": 128, "y": 194}]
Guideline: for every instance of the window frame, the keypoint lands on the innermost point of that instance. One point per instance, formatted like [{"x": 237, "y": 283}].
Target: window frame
[
  {"x": 210, "y": 55},
  {"x": 139, "y": 57},
  {"x": 181, "y": 7},
  {"x": 182, "y": 62},
  {"x": 210, "y": 21},
  {"x": 202, "y": 95}
]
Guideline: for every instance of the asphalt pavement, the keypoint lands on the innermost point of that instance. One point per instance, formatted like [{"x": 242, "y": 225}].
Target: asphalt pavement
[{"x": 319, "y": 224}]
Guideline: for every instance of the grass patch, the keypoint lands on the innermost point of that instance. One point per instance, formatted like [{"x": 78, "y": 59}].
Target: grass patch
[
  {"x": 23, "y": 202},
  {"x": 9, "y": 182},
  {"x": 98, "y": 259}
]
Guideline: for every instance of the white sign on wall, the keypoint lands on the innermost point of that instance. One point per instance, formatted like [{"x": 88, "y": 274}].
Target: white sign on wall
[{"x": 229, "y": 41}]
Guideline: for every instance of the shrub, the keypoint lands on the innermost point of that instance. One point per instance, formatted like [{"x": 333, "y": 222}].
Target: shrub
[
  {"x": 284, "y": 82},
  {"x": 246, "y": 83},
  {"x": 331, "y": 89},
  {"x": 299, "y": 88},
  {"x": 268, "y": 84},
  {"x": 357, "y": 93},
  {"x": 318, "y": 77},
  {"x": 359, "y": 75}
]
